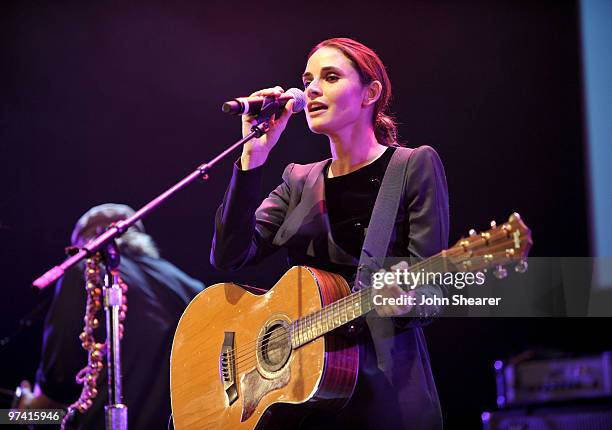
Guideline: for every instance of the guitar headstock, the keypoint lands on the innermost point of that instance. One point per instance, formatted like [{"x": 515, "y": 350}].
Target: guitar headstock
[{"x": 496, "y": 247}]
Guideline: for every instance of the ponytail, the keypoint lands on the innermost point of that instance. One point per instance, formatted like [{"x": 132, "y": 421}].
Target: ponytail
[{"x": 385, "y": 130}]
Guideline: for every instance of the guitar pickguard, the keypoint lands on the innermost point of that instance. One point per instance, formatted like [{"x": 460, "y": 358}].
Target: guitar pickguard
[{"x": 254, "y": 386}]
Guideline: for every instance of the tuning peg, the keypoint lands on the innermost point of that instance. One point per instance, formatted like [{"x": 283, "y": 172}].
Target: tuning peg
[
  {"x": 521, "y": 267},
  {"x": 472, "y": 232},
  {"x": 507, "y": 228},
  {"x": 514, "y": 217},
  {"x": 500, "y": 272},
  {"x": 493, "y": 224}
]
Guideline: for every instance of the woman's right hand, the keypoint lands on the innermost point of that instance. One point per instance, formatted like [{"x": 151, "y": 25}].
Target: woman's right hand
[{"x": 255, "y": 152}]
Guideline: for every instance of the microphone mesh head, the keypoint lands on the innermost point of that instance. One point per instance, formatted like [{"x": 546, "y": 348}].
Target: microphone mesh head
[{"x": 299, "y": 99}]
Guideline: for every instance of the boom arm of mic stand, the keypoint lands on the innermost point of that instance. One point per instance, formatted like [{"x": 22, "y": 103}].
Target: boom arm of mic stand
[{"x": 120, "y": 227}]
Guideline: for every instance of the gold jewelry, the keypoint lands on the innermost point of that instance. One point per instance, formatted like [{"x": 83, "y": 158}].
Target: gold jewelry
[{"x": 88, "y": 375}]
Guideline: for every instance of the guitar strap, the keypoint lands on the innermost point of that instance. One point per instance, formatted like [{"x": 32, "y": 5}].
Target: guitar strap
[
  {"x": 376, "y": 245},
  {"x": 382, "y": 222}
]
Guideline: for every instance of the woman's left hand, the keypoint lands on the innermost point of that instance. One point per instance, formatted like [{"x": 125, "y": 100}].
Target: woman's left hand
[{"x": 394, "y": 291}]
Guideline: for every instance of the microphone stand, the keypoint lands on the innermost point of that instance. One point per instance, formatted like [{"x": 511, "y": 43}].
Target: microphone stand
[{"x": 116, "y": 412}]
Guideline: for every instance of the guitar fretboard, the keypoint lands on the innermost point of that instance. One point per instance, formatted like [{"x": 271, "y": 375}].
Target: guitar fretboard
[{"x": 349, "y": 308}]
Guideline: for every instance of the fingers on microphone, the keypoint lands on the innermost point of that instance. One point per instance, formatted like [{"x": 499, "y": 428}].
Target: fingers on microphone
[
  {"x": 284, "y": 116},
  {"x": 289, "y": 105},
  {"x": 288, "y": 110},
  {"x": 276, "y": 92},
  {"x": 249, "y": 119}
]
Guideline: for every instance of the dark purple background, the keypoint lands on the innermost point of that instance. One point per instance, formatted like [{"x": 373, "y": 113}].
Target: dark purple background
[{"x": 117, "y": 101}]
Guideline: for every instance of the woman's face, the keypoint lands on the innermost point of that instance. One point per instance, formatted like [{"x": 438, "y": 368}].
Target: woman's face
[{"x": 334, "y": 93}]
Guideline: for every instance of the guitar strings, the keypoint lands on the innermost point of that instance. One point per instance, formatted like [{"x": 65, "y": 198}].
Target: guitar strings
[
  {"x": 303, "y": 324},
  {"x": 339, "y": 306},
  {"x": 247, "y": 360},
  {"x": 299, "y": 327},
  {"x": 303, "y": 327},
  {"x": 245, "y": 354},
  {"x": 352, "y": 298},
  {"x": 249, "y": 347}
]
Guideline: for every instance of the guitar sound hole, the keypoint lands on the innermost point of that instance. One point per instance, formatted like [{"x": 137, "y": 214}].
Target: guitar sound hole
[{"x": 274, "y": 346}]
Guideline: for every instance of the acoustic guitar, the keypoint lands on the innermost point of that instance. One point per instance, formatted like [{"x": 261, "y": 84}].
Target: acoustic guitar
[{"x": 242, "y": 360}]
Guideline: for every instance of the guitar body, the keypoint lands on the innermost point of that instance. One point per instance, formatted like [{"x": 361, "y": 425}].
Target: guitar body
[
  {"x": 233, "y": 365},
  {"x": 242, "y": 361}
]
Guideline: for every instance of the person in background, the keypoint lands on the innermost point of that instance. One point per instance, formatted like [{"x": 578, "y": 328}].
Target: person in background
[{"x": 158, "y": 292}]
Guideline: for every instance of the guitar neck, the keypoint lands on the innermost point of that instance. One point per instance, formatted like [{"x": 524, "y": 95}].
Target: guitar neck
[
  {"x": 349, "y": 308},
  {"x": 500, "y": 245}
]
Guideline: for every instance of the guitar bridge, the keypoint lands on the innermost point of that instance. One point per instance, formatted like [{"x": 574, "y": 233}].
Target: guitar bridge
[{"x": 227, "y": 367}]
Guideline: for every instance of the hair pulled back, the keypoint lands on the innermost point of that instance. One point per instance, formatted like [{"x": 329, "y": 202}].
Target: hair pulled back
[{"x": 370, "y": 68}]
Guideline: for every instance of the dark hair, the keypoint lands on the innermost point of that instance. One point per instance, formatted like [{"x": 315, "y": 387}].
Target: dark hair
[
  {"x": 370, "y": 68},
  {"x": 93, "y": 222}
]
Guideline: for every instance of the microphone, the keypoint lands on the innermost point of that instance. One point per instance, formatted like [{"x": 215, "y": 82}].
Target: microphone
[{"x": 252, "y": 105}]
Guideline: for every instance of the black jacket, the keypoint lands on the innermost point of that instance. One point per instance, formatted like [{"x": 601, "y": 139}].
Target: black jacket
[
  {"x": 397, "y": 389},
  {"x": 158, "y": 293}
]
